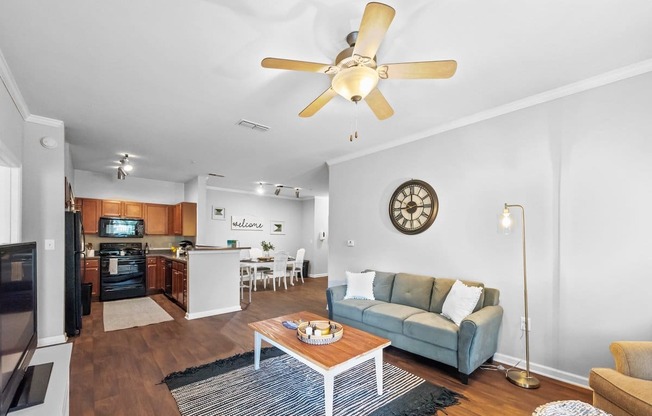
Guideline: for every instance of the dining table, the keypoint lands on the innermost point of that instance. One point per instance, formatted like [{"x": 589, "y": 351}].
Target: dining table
[{"x": 263, "y": 264}]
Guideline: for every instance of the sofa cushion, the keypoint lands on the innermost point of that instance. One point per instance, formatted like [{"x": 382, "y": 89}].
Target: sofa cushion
[
  {"x": 388, "y": 316},
  {"x": 383, "y": 285},
  {"x": 441, "y": 288},
  {"x": 432, "y": 328},
  {"x": 353, "y": 308},
  {"x": 412, "y": 290}
]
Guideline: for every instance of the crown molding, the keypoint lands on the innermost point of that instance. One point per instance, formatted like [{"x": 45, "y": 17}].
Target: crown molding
[
  {"x": 10, "y": 83},
  {"x": 19, "y": 101},
  {"x": 606, "y": 78},
  {"x": 45, "y": 121}
]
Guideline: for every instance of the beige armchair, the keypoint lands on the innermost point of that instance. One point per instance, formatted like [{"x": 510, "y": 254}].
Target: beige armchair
[{"x": 627, "y": 390}]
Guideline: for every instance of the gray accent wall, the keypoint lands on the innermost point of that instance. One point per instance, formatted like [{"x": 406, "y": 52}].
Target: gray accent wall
[{"x": 581, "y": 167}]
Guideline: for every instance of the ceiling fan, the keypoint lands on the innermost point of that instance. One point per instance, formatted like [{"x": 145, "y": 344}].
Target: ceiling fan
[{"x": 355, "y": 73}]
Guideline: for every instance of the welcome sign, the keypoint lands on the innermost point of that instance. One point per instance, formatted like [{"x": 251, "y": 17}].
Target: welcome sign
[{"x": 245, "y": 223}]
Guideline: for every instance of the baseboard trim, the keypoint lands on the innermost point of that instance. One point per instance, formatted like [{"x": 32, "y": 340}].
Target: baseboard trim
[
  {"x": 191, "y": 316},
  {"x": 560, "y": 375},
  {"x": 58, "y": 339},
  {"x": 318, "y": 275}
]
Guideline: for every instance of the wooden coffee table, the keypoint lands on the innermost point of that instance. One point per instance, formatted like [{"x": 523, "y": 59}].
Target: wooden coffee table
[{"x": 329, "y": 360}]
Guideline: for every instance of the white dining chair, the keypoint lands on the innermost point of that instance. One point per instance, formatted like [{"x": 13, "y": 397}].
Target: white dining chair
[
  {"x": 297, "y": 268},
  {"x": 254, "y": 253},
  {"x": 279, "y": 270},
  {"x": 246, "y": 275}
]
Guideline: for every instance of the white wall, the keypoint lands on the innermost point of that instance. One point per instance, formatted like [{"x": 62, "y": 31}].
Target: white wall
[
  {"x": 11, "y": 129},
  {"x": 68, "y": 166},
  {"x": 108, "y": 186},
  {"x": 319, "y": 260},
  {"x": 579, "y": 165},
  {"x": 315, "y": 220},
  {"x": 267, "y": 208},
  {"x": 43, "y": 218},
  {"x": 11, "y": 154}
]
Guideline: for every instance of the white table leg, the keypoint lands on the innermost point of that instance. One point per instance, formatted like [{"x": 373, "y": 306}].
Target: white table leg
[
  {"x": 257, "y": 343},
  {"x": 378, "y": 358},
  {"x": 329, "y": 381}
]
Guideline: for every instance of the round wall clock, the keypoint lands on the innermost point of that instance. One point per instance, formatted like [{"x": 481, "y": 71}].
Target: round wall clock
[{"x": 413, "y": 207}]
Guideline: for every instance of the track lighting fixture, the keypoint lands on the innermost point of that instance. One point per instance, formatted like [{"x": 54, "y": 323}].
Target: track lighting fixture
[
  {"x": 122, "y": 175},
  {"x": 277, "y": 188},
  {"x": 125, "y": 164}
]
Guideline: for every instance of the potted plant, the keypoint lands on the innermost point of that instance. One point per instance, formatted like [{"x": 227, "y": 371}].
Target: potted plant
[{"x": 267, "y": 247}]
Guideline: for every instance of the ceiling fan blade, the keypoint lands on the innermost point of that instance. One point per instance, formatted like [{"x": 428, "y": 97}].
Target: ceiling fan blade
[
  {"x": 418, "y": 70},
  {"x": 278, "y": 63},
  {"x": 379, "y": 104},
  {"x": 318, "y": 103},
  {"x": 375, "y": 21}
]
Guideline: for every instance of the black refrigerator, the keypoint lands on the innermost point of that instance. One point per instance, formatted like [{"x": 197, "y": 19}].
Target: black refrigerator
[{"x": 73, "y": 252}]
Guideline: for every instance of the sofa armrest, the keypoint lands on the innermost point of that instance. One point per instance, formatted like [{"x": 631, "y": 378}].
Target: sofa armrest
[
  {"x": 333, "y": 294},
  {"x": 633, "y": 358},
  {"x": 478, "y": 338}
]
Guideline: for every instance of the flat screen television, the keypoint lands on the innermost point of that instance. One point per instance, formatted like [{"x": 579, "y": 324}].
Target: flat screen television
[{"x": 18, "y": 335}]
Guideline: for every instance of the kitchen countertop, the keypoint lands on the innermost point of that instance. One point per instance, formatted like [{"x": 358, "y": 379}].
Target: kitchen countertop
[{"x": 169, "y": 256}]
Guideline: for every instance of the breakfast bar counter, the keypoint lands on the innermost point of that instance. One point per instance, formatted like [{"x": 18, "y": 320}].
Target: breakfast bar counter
[{"x": 213, "y": 281}]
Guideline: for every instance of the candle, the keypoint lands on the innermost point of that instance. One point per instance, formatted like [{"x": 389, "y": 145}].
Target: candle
[
  {"x": 317, "y": 332},
  {"x": 308, "y": 330}
]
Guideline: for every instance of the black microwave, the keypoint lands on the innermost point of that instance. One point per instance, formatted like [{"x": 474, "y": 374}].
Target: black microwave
[{"x": 121, "y": 227}]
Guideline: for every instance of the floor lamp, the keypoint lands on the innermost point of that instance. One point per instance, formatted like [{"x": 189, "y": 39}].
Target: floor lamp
[{"x": 519, "y": 377}]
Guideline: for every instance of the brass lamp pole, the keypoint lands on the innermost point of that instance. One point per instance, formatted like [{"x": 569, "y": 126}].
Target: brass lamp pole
[{"x": 519, "y": 377}]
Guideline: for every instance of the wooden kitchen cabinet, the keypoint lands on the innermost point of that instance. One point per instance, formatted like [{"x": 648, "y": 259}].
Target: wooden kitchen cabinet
[
  {"x": 90, "y": 273},
  {"x": 156, "y": 219},
  {"x": 152, "y": 273},
  {"x": 111, "y": 208},
  {"x": 123, "y": 209},
  {"x": 90, "y": 211},
  {"x": 180, "y": 283},
  {"x": 160, "y": 276},
  {"x": 183, "y": 219},
  {"x": 133, "y": 209}
]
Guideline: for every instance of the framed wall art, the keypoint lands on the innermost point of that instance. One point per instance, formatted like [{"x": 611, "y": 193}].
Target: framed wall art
[{"x": 218, "y": 213}]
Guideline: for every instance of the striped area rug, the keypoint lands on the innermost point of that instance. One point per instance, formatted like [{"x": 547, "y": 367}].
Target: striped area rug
[{"x": 284, "y": 386}]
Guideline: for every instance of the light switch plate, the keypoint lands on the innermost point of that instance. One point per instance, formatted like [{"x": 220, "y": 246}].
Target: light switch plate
[
  {"x": 49, "y": 244},
  {"x": 350, "y": 243}
]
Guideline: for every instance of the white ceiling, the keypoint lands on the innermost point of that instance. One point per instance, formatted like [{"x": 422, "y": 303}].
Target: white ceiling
[{"x": 167, "y": 80}]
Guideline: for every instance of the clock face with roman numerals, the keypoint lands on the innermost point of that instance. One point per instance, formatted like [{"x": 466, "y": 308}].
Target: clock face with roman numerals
[{"x": 413, "y": 207}]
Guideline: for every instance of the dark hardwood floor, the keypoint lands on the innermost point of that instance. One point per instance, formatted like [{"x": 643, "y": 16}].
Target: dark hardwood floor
[{"x": 119, "y": 373}]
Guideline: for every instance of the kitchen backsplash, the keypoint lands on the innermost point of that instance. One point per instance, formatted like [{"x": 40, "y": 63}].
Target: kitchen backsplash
[{"x": 155, "y": 242}]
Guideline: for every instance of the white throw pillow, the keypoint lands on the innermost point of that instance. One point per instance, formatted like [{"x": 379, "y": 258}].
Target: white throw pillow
[
  {"x": 360, "y": 285},
  {"x": 460, "y": 302}
]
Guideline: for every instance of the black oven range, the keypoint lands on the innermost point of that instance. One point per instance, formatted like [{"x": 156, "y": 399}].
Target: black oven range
[{"x": 122, "y": 271}]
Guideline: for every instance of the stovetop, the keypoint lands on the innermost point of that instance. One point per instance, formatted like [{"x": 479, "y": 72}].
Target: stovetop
[{"x": 121, "y": 249}]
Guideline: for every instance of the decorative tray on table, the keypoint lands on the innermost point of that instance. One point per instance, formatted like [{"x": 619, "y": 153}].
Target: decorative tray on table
[
  {"x": 320, "y": 332},
  {"x": 265, "y": 258}
]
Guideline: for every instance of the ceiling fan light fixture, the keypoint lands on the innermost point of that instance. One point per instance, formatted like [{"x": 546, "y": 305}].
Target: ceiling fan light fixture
[{"x": 355, "y": 83}]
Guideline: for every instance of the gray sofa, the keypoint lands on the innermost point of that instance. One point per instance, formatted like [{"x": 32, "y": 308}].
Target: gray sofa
[{"x": 407, "y": 312}]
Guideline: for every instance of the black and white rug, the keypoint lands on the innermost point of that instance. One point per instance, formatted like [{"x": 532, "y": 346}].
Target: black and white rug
[{"x": 284, "y": 386}]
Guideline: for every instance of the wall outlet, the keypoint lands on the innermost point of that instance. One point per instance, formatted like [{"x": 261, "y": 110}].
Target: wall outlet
[
  {"x": 529, "y": 324},
  {"x": 350, "y": 243}
]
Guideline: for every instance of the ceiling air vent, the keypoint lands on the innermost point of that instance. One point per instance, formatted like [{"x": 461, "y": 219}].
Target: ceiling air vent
[{"x": 253, "y": 126}]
